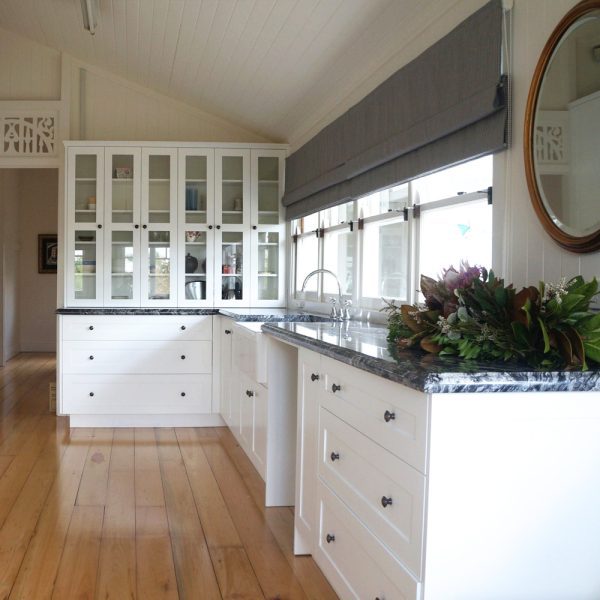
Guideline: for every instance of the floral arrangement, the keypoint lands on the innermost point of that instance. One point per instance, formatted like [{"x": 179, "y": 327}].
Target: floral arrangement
[{"x": 471, "y": 314}]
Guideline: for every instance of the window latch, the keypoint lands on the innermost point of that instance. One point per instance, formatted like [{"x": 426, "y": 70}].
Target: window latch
[{"x": 351, "y": 225}]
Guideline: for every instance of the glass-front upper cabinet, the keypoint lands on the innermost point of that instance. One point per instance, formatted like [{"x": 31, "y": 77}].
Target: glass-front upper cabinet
[
  {"x": 232, "y": 227},
  {"x": 196, "y": 229},
  {"x": 85, "y": 194},
  {"x": 159, "y": 227},
  {"x": 122, "y": 226},
  {"x": 268, "y": 229}
]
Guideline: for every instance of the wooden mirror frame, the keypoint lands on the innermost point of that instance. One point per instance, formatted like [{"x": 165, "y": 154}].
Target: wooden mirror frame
[{"x": 586, "y": 243}]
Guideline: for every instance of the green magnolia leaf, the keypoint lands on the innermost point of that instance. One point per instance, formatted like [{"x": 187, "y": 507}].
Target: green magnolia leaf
[
  {"x": 592, "y": 350},
  {"x": 564, "y": 347},
  {"x": 545, "y": 335},
  {"x": 520, "y": 333},
  {"x": 577, "y": 345}
]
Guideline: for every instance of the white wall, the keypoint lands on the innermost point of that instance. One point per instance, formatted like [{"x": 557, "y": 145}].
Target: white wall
[
  {"x": 38, "y": 200},
  {"x": 529, "y": 254},
  {"x": 9, "y": 256}
]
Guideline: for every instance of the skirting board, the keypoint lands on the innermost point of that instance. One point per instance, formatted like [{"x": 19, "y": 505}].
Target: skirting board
[{"x": 146, "y": 421}]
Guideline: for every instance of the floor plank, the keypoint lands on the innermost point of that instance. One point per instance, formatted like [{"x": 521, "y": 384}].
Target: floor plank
[
  {"x": 148, "y": 485},
  {"x": 94, "y": 482}
]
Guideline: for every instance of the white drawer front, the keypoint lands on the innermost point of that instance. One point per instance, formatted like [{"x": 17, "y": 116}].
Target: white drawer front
[
  {"x": 137, "y": 357},
  {"x": 137, "y": 394},
  {"x": 136, "y": 327},
  {"x": 355, "y": 563},
  {"x": 366, "y": 401},
  {"x": 384, "y": 492}
]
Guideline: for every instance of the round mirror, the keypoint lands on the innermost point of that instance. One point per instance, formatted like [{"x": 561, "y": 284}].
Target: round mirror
[{"x": 562, "y": 131}]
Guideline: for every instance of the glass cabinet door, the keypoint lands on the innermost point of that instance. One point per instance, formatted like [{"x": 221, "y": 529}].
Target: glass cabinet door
[
  {"x": 195, "y": 241},
  {"x": 232, "y": 193},
  {"x": 85, "y": 189},
  {"x": 231, "y": 268},
  {"x": 268, "y": 230},
  {"x": 159, "y": 227},
  {"x": 122, "y": 229}
]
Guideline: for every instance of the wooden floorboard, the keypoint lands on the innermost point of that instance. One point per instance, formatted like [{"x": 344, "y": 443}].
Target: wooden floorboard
[{"x": 133, "y": 514}]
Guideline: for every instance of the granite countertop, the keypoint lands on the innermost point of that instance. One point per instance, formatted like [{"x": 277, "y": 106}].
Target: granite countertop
[
  {"x": 365, "y": 347},
  {"x": 137, "y": 311}
]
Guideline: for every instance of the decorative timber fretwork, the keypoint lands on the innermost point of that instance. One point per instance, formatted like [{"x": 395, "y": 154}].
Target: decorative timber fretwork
[
  {"x": 551, "y": 141},
  {"x": 28, "y": 134}
]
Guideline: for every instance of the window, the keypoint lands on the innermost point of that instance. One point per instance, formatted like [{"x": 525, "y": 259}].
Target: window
[{"x": 379, "y": 244}]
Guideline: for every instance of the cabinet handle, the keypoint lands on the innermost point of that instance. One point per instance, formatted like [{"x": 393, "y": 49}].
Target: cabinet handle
[
  {"x": 99, "y": 226},
  {"x": 228, "y": 331},
  {"x": 249, "y": 393},
  {"x": 254, "y": 227},
  {"x": 91, "y": 357},
  {"x": 182, "y": 394},
  {"x": 182, "y": 328},
  {"x": 91, "y": 393},
  {"x": 314, "y": 377},
  {"x": 136, "y": 226},
  {"x": 335, "y": 388},
  {"x": 389, "y": 416},
  {"x": 218, "y": 227},
  {"x": 91, "y": 328},
  {"x": 210, "y": 226},
  {"x": 144, "y": 226},
  {"x": 386, "y": 501},
  {"x": 329, "y": 538},
  {"x": 183, "y": 357},
  {"x": 334, "y": 456}
]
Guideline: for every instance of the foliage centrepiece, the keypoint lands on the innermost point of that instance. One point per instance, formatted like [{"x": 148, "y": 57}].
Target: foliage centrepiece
[{"x": 471, "y": 314}]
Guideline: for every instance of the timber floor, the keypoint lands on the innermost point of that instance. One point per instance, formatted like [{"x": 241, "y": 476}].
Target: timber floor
[{"x": 133, "y": 513}]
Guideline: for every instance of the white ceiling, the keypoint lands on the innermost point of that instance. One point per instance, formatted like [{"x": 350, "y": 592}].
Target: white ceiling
[{"x": 282, "y": 68}]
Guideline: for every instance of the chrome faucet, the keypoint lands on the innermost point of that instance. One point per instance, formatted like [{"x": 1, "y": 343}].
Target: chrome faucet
[{"x": 341, "y": 314}]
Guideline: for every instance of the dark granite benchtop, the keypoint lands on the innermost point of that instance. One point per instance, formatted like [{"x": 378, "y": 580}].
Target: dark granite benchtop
[
  {"x": 365, "y": 347},
  {"x": 137, "y": 311}
]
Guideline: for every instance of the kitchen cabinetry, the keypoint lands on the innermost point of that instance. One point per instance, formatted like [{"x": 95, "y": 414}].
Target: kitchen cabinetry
[{"x": 174, "y": 226}]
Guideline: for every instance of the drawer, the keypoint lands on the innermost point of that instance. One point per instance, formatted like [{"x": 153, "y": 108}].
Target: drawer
[
  {"x": 137, "y": 357},
  {"x": 353, "y": 561},
  {"x": 385, "y": 493},
  {"x": 136, "y": 327},
  {"x": 249, "y": 354},
  {"x": 136, "y": 394},
  {"x": 391, "y": 414}
]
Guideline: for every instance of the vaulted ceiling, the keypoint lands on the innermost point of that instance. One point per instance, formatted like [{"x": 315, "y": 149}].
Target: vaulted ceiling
[{"x": 282, "y": 68}]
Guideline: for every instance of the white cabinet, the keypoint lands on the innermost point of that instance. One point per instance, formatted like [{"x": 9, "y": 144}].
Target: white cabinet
[{"x": 174, "y": 226}]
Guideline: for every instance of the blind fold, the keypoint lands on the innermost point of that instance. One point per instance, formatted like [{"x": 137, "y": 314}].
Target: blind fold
[{"x": 446, "y": 106}]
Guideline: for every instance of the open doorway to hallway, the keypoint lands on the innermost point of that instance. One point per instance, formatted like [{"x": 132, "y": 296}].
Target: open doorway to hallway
[{"x": 28, "y": 208}]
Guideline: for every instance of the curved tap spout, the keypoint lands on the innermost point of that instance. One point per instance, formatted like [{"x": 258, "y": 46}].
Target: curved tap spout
[{"x": 326, "y": 271}]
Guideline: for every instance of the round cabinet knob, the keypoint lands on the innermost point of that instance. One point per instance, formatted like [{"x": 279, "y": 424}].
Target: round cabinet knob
[
  {"x": 335, "y": 388},
  {"x": 91, "y": 357},
  {"x": 182, "y": 328},
  {"x": 99, "y": 226},
  {"x": 144, "y": 226},
  {"x": 228, "y": 331},
  {"x": 210, "y": 226},
  {"x": 91, "y": 393},
  {"x": 183, "y": 357},
  {"x": 136, "y": 226},
  {"x": 182, "y": 394},
  {"x": 218, "y": 227},
  {"x": 334, "y": 456},
  {"x": 249, "y": 393},
  {"x": 329, "y": 538},
  {"x": 388, "y": 416},
  {"x": 254, "y": 227},
  {"x": 314, "y": 377},
  {"x": 91, "y": 328},
  {"x": 386, "y": 501}
]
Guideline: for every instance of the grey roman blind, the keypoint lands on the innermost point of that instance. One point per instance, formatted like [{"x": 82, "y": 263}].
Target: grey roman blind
[{"x": 446, "y": 106}]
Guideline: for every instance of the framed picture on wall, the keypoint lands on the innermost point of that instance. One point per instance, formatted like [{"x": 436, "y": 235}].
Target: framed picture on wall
[{"x": 47, "y": 253}]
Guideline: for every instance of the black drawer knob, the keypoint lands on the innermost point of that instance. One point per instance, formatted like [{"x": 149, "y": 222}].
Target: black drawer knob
[
  {"x": 91, "y": 393},
  {"x": 144, "y": 226},
  {"x": 389, "y": 416},
  {"x": 182, "y": 394},
  {"x": 254, "y": 227},
  {"x": 249, "y": 393},
  {"x": 136, "y": 226},
  {"x": 386, "y": 501},
  {"x": 218, "y": 227},
  {"x": 183, "y": 357},
  {"x": 228, "y": 331},
  {"x": 99, "y": 226},
  {"x": 91, "y": 357},
  {"x": 210, "y": 226},
  {"x": 335, "y": 388},
  {"x": 330, "y": 538},
  {"x": 334, "y": 456},
  {"x": 91, "y": 328},
  {"x": 314, "y": 377},
  {"x": 182, "y": 328}
]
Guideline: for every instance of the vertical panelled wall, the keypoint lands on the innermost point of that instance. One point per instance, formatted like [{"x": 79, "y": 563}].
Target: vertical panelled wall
[{"x": 529, "y": 254}]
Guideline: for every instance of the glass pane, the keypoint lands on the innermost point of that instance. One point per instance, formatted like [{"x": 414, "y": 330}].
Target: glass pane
[
  {"x": 122, "y": 265},
  {"x": 385, "y": 260},
  {"x": 232, "y": 256},
  {"x": 268, "y": 266},
  {"x": 233, "y": 190},
  {"x": 268, "y": 190},
  {"x": 159, "y": 265},
  {"x": 307, "y": 260},
  {"x": 453, "y": 234},
  {"x": 472, "y": 176},
  {"x": 159, "y": 189},
  {"x": 195, "y": 189},
  {"x": 195, "y": 265},
  {"x": 85, "y": 188},
  {"x": 339, "y": 258},
  {"x": 85, "y": 265},
  {"x": 393, "y": 199},
  {"x": 338, "y": 214},
  {"x": 122, "y": 188}
]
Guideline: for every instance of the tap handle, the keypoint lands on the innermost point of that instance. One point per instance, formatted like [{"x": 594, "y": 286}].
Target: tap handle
[
  {"x": 334, "y": 310},
  {"x": 346, "y": 310}
]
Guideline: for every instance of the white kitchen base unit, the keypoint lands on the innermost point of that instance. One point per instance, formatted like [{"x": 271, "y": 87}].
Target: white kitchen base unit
[
  {"x": 136, "y": 370},
  {"x": 446, "y": 496}
]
